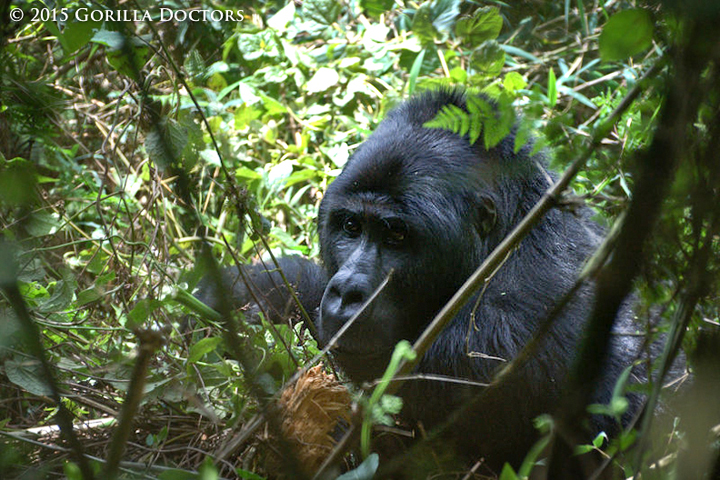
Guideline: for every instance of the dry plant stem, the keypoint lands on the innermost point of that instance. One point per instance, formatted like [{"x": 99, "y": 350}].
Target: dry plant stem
[{"x": 491, "y": 263}]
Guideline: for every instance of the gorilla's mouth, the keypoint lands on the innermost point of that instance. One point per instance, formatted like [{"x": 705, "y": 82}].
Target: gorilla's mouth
[{"x": 362, "y": 365}]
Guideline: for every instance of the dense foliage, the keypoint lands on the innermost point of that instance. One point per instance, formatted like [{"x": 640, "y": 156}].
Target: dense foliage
[{"x": 126, "y": 145}]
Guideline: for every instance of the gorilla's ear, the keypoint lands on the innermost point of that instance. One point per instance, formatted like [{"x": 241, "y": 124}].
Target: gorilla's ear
[{"x": 486, "y": 215}]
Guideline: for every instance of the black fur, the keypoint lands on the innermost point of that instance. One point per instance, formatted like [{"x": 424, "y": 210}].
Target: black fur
[{"x": 429, "y": 206}]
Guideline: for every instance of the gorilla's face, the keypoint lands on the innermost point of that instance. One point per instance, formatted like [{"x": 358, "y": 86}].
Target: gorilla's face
[{"x": 405, "y": 209}]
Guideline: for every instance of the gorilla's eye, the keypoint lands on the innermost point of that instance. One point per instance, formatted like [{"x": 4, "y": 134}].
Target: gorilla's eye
[
  {"x": 352, "y": 226},
  {"x": 395, "y": 237},
  {"x": 395, "y": 232}
]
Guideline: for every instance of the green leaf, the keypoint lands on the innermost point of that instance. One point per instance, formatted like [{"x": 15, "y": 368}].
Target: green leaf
[
  {"x": 185, "y": 298},
  {"x": 422, "y": 24},
  {"x": 165, "y": 143},
  {"x": 278, "y": 174},
  {"x": 300, "y": 176},
  {"x": 484, "y": 25},
  {"x": 458, "y": 75},
  {"x": 625, "y": 34},
  {"x": 72, "y": 471},
  {"x": 28, "y": 375},
  {"x": 324, "y": 12},
  {"x": 17, "y": 182},
  {"x": 583, "y": 17},
  {"x": 415, "y": 71},
  {"x": 245, "y": 114},
  {"x": 131, "y": 62},
  {"x": 203, "y": 347},
  {"x": 480, "y": 111},
  {"x": 247, "y": 174},
  {"x": 453, "y": 118},
  {"x": 552, "y": 88},
  {"x": 444, "y": 14},
  {"x": 323, "y": 79},
  {"x": 498, "y": 123},
  {"x": 62, "y": 295},
  {"x": 513, "y": 82},
  {"x": 583, "y": 449},
  {"x": 141, "y": 312},
  {"x": 207, "y": 470},
  {"x": 627, "y": 439},
  {"x": 272, "y": 106},
  {"x": 282, "y": 18},
  {"x": 195, "y": 65},
  {"x": 600, "y": 439},
  {"x": 391, "y": 404},
  {"x": 77, "y": 34},
  {"x": 434, "y": 18},
  {"x": 489, "y": 58},
  {"x": 253, "y": 46},
  {"x": 508, "y": 473},
  {"x": 522, "y": 136},
  {"x": 403, "y": 351},
  {"x": 126, "y": 55},
  {"x": 520, "y": 53},
  {"x": 532, "y": 457},
  {"x": 577, "y": 96},
  {"x": 52, "y": 27},
  {"x": 112, "y": 40},
  {"x": 43, "y": 223},
  {"x": 88, "y": 295},
  {"x": 375, "y": 8},
  {"x": 621, "y": 383},
  {"x": 10, "y": 328}
]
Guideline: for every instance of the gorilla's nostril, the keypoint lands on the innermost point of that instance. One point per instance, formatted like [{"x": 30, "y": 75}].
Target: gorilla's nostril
[
  {"x": 353, "y": 297},
  {"x": 334, "y": 291}
]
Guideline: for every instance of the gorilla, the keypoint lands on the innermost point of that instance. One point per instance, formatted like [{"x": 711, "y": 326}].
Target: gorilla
[{"x": 429, "y": 206}]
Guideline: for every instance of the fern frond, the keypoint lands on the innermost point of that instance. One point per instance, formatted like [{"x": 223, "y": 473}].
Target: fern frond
[{"x": 452, "y": 118}]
